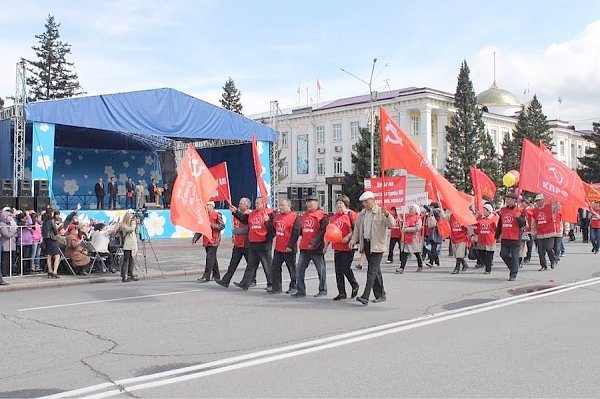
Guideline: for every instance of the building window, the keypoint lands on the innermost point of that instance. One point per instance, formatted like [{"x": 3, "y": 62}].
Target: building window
[
  {"x": 320, "y": 166},
  {"x": 414, "y": 123},
  {"x": 284, "y": 169},
  {"x": 320, "y": 133},
  {"x": 573, "y": 150},
  {"x": 561, "y": 147},
  {"x": 579, "y": 150},
  {"x": 337, "y": 132},
  {"x": 337, "y": 166},
  {"x": 321, "y": 196},
  {"x": 354, "y": 130},
  {"x": 284, "y": 139}
]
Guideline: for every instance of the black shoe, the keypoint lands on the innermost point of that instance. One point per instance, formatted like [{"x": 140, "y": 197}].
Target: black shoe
[
  {"x": 298, "y": 295},
  {"x": 340, "y": 297},
  {"x": 464, "y": 268},
  {"x": 203, "y": 280},
  {"x": 133, "y": 278},
  {"x": 419, "y": 269},
  {"x": 553, "y": 264},
  {"x": 456, "y": 270},
  {"x": 291, "y": 291},
  {"x": 274, "y": 292},
  {"x": 124, "y": 280},
  {"x": 240, "y": 285},
  {"x": 542, "y": 269},
  {"x": 379, "y": 300},
  {"x": 512, "y": 278},
  {"x": 269, "y": 289},
  {"x": 55, "y": 276},
  {"x": 222, "y": 283},
  {"x": 362, "y": 300},
  {"x": 354, "y": 292},
  {"x": 320, "y": 294},
  {"x": 3, "y": 283},
  {"x": 252, "y": 284}
]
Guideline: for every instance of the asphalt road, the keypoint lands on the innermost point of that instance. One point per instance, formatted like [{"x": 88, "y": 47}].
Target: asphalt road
[{"x": 438, "y": 335}]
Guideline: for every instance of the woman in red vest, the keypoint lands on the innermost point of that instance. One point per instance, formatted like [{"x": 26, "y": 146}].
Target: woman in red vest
[
  {"x": 543, "y": 229},
  {"x": 211, "y": 244},
  {"x": 486, "y": 236},
  {"x": 459, "y": 237},
  {"x": 595, "y": 226},
  {"x": 411, "y": 238},
  {"x": 343, "y": 254}
]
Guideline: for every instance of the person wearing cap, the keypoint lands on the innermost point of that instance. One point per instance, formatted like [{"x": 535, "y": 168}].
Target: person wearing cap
[
  {"x": 344, "y": 220},
  {"x": 286, "y": 228},
  {"x": 485, "y": 232},
  {"x": 313, "y": 224},
  {"x": 543, "y": 230},
  {"x": 412, "y": 242},
  {"x": 260, "y": 241},
  {"x": 211, "y": 244},
  {"x": 129, "y": 231},
  {"x": 509, "y": 229},
  {"x": 372, "y": 234}
]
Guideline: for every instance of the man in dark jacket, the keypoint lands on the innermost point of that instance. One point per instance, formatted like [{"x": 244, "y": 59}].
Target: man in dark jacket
[
  {"x": 130, "y": 195},
  {"x": 113, "y": 190},
  {"x": 99, "y": 191}
]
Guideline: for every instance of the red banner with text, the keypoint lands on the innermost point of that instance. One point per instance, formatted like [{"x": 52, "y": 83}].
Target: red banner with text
[{"x": 389, "y": 191}]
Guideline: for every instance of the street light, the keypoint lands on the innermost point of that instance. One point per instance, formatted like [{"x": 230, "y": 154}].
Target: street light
[{"x": 371, "y": 99}]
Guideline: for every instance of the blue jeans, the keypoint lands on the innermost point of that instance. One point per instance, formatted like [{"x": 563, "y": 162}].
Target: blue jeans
[
  {"x": 36, "y": 251},
  {"x": 510, "y": 250},
  {"x": 318, "y": 258}
]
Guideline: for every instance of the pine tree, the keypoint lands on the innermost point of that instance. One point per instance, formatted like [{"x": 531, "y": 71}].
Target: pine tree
[
  {"x": 489, "y": 162},
  {"x": 51, "y": 74},
  {"x": 465, "y": 133},
  {"x": 1, "y": 103},
  {"x": 361, "y": 164},
  {"x": 532, "y": 125},
  {"x": 231, "y": 97},
  {"x": 590, "y": 162}
]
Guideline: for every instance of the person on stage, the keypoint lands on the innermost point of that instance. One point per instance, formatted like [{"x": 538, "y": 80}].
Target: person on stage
[
  {"x": 152, "y": 190},
  {"x": 211, "y": 244},
  {"x": 99, "y": 191},
  {"x": 543, "y": 229},
  {"x": 113, "y": 190},
  {"x": 139, "y": 195},
  {"x": 130, "y": 194},
  {"x": 240, "y": 244},
  {"x": 412, "y": 242},
  {"x": 286, "y": 228},
  {"x": 509, "y": 229}
]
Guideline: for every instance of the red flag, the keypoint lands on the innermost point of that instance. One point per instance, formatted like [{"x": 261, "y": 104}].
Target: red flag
[
  {"x": 592, "y": 192},
  {"x": 220, "y": 174},
  {"x": 431, "y": 191},
  {"x": 542, "y": 173},
  {"x": 258, "y": 170},
  {"x": 483, "y": 186},
  {"x": 192, "y": 190}
]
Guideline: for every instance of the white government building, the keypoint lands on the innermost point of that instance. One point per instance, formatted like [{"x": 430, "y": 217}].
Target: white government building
[{"x": 316, "y": 141}]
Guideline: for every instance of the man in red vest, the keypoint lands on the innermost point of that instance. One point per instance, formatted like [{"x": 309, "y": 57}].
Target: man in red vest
[
  {"x": 510, "y": 226},
  {"x": 240, "y": 244},
  {"x": 260, "y": 242},
  {"x": 211, "y": 243},
  {"x": 313, "y": 224},
  {"x": 286, "y": 227},
  {"x": 543, "y": 229}
]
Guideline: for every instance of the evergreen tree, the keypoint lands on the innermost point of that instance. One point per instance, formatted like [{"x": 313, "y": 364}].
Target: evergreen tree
[
  {"x": 51, "y": 74},
  {"x": 361, "y": 164},
  {"x": 532, "y": 125},
  {"x": 1, "y": 103},
  {"x": 590, "y": 162},
  {"x": 231, "y": 97},
  {"x": 489, "y": 162},
  {"x": 465, "y": 133}
]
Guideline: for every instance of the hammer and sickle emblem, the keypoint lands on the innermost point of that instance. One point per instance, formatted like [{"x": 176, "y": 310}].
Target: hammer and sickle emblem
[
  {"x": 392, "y": 136},
  {"x": 195, "y": 169}
]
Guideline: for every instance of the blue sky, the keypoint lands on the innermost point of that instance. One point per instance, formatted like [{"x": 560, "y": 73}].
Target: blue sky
[{"x": 271, "y": 48}]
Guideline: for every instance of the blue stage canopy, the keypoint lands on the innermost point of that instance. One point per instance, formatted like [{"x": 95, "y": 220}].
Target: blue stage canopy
[{"x": 160, "y": 112}]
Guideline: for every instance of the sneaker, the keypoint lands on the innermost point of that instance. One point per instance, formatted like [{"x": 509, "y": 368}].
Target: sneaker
[
  {"x": 222, "y": 283},
  {"x": 297, "y": 295},
  {"x": 388, "y": 261},
  {"x": 240, "y": 285},
  {"x": 291, "y": 291},
  {"x": 379, "y": 300},
  {"x": 487, "y": 272},
  {"x": 203, "y": 280},
  {"x": 399, "y": 270},
  {"x": 542, "y": 269},
  {"x": 321, "y": 293},
  {"x": 362, "y": 300}
]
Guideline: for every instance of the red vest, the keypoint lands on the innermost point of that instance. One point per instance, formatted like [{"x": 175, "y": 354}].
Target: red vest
[
  {"x": 215, "y": 240},
  {"x": 284, "y": 226},
  {"x": 510, "y": 227},
  {"x": 343, "y": 222},
  {"x": 595, "y": 220},
  {"x": 544, "y": 220},
  {"x": 239, "y": 240},
  {"x": 486, "y": 231},
  {"x": 558, "y": 223},
  {"x": 396, "y": 230},
  {"x": 256, "y": 223},
  {"x": 458, "y": 233},
  {"x": 528, "y": 217},
  {"x": 411, "y": 221},
  {"x": 310, "y": 223}
]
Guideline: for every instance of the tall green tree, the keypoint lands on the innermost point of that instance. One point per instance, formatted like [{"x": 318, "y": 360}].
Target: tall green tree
[
  {"x": 532, "y": 125},
  {"x": 1, "y": 103},
  {"x": 465, "y": 133},
  {"x": 490, "y": 161},
  {"x": 590, "y": 162},
  {"x": 51, "y": 75},
  {"x": 231, "y": 97},
  {"x": 361, "y": 164}
]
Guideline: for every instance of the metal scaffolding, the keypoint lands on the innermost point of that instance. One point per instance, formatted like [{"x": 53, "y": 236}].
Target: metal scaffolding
[{"x": 19, "y": 126}]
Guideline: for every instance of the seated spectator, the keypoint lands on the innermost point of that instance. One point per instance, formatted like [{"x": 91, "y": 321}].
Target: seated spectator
[
  {"x": 101, "y": 242},
  {"x": 76, "y": 252}
]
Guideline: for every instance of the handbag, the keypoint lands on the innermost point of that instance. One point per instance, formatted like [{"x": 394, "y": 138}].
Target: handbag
[
  {"x": 525, "y": 237},
  {"x": 473, "y": 253}
]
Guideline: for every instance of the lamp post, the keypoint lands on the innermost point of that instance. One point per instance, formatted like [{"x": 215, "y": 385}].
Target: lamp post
[{"x": 371, "y": 99}]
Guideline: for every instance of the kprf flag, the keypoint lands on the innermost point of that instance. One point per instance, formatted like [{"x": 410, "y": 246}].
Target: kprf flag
[
  {"x": 398, "y": 151},
  {"x": 542, "y": 173},
  {"x": 258, "y": 170},
  {"x": 192, "y": 190},
  {"x": 222, "y": 193},
  {"x": 483, "y": 186}
]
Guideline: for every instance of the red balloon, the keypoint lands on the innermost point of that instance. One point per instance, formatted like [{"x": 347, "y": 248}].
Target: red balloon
[{"x": 333, "y": 234}]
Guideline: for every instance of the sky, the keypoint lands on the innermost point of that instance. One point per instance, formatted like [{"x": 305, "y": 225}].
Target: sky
[{"x": 272, "y": 48}]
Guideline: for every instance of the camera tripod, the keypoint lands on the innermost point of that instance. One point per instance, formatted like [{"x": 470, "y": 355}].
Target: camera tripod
[{"x": 144, "y": 237}]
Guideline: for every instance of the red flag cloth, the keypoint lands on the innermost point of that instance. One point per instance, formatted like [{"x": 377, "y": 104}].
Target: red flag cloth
[
  {"x": 483, "y": 186},
  {"x": 444, "y": 228},
  {"x": 191, "y": 191},
  {"x": 262, "y": 186},
  {"x": 222, "y": 193},
  {"x": 569, "y": 213},
  {"x": 542, "y": 173},
  {"x": 592, "y": 192}
]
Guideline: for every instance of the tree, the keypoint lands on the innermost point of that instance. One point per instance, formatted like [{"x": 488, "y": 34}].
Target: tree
[
  {"x": 361, "y": 164},
  {"x": 590, "y": 162},
  {"x": 532, "y": 125},
  {"x": 1, "y": 103},
  {"x": 51, "y": 74},
  {"x": 465, "y": 134},
  {"x": 231, "y": 97},
  {"x": 490, "y": 162}
]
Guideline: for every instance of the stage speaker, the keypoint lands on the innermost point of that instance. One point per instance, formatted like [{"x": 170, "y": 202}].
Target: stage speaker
[
  {"x": 25, "y": 203},
  {"x": 41, "y": 204},
  {"x": 24, "y": 188},
  {"x": 41, "y": 188},
  {"x": 10, "y": 202},
  {"x": 6, "y": 188}
]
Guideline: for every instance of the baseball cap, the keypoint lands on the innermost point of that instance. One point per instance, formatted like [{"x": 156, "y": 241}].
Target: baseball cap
[
  {"x": 539, "y": 197},
  {"x": 311, "y": 198},
  {"x": 6, "y": 209},
  {"x": 489, "y": 207},
  {"x": 366, "y": 195}
]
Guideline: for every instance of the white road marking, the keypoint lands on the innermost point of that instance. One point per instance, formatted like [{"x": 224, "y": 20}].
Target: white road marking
[{"x": 272, "y": 355}]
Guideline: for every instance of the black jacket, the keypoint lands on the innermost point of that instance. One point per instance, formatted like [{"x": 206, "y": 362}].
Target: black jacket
[
  {"x": 113, "y": 189},
  {"x": 99, "y": 190}
]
